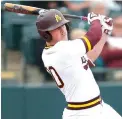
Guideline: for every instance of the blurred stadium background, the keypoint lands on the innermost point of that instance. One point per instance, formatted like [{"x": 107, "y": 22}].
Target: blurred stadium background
[{"x": 28, "y": 92}]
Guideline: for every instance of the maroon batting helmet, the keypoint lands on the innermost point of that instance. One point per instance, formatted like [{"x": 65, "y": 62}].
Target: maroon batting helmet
[{"x": 49, "y": 20}]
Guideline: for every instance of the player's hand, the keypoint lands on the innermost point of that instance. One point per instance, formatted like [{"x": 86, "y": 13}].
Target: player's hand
[
  {"x": 107, "y": 24},
  {"x": 42, "y": 11},
  {"x": 91, "y": 17}
]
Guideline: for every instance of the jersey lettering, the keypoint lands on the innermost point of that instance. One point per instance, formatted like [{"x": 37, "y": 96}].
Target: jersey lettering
[
  {"x": 84, "y": 61},
  {"x": 56, "y": 77}
]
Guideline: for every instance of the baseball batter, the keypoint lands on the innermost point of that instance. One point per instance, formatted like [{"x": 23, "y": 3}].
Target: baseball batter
[{"x": 68, "y": 62}]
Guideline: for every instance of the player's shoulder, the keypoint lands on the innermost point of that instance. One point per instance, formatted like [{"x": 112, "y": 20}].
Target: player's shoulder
[
  {"x": 60, "y": 45},
  {"x": 64, "y": 46},
  {"x": 63, "y": 42},
  {"x": 67, "y": 43}
]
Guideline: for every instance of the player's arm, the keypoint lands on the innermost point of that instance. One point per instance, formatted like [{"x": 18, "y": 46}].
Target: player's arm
[
  {"x": 82, "y": 46},
  {"x": 97, "y": 49},
  {"x": 90, "y": 39},
  {"x": 94, "y": 33}
]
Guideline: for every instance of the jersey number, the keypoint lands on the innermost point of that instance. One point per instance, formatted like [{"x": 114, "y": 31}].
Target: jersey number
[{"x": 56, "y": 77}]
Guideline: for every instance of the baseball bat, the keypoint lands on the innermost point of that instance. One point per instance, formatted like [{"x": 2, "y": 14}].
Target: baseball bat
[{"x": 23, "y": 9}]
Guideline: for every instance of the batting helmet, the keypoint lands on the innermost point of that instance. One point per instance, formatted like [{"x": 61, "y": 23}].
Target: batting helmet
[{"x": 49, "y": 20}]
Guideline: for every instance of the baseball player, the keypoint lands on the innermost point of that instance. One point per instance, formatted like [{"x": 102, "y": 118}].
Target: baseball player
[{"x": 68, "y": 63}]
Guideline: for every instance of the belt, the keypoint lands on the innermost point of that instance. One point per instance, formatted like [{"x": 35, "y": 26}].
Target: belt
[{"x": 84, "y": 105}]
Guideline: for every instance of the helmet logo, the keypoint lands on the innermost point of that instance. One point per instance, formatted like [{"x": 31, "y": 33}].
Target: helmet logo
[{"x": 58, "y": 18}]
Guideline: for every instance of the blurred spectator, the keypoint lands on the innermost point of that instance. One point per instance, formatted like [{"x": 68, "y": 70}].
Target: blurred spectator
[
  {"x": 77, "y": 5},
  {"x": 112, "y": 5},
  {"x": 99, "y": 7},
  {"x": 52, "y": 5},
  {"x": 57, "y": 5},
  {"x": 112, "y": 52},
  {"x": 79, "y": 8},
  {"x": 117, "y": 31},
  {"x": 119, "y": 3}
]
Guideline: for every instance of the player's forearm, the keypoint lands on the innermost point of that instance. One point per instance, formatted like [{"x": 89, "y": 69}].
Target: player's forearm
[
  {"x": 97, "y": 49},
  {"x": 93, "y": 35}
]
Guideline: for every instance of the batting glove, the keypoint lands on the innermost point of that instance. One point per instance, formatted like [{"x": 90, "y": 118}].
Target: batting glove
[
  {"x": 91, "y": 17},
  {"x": 107, "y": 24}
]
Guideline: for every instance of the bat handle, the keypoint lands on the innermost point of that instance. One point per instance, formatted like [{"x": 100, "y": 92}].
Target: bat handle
[
  {"x": 75, "y": 17},
  {"x": 84, "y": 18}
]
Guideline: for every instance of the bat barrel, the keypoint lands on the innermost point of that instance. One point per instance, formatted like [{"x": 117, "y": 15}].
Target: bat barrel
[{"x": 23, "y": 9}]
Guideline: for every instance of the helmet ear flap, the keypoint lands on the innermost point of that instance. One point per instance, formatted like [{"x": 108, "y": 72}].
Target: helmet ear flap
[{"x": 46, "y": 35}]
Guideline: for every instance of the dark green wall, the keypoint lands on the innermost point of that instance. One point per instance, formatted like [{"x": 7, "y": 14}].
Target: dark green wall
[
  {"x": 12, "y": 103},
  {"x": 46, "y": 102}
]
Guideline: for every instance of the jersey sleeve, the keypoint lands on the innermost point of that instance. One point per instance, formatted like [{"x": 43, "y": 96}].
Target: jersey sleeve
[{"x": 87, "y": 43}]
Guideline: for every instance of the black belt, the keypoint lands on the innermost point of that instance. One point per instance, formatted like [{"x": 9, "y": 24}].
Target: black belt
[{"x": 84, "y": 105}]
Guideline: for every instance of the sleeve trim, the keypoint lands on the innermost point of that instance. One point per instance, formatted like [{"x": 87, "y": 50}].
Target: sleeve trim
[{"x": 89, "y": 47}]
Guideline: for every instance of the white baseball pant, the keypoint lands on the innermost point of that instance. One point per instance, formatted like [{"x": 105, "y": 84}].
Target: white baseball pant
[{"x": 101, "y": 111}]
